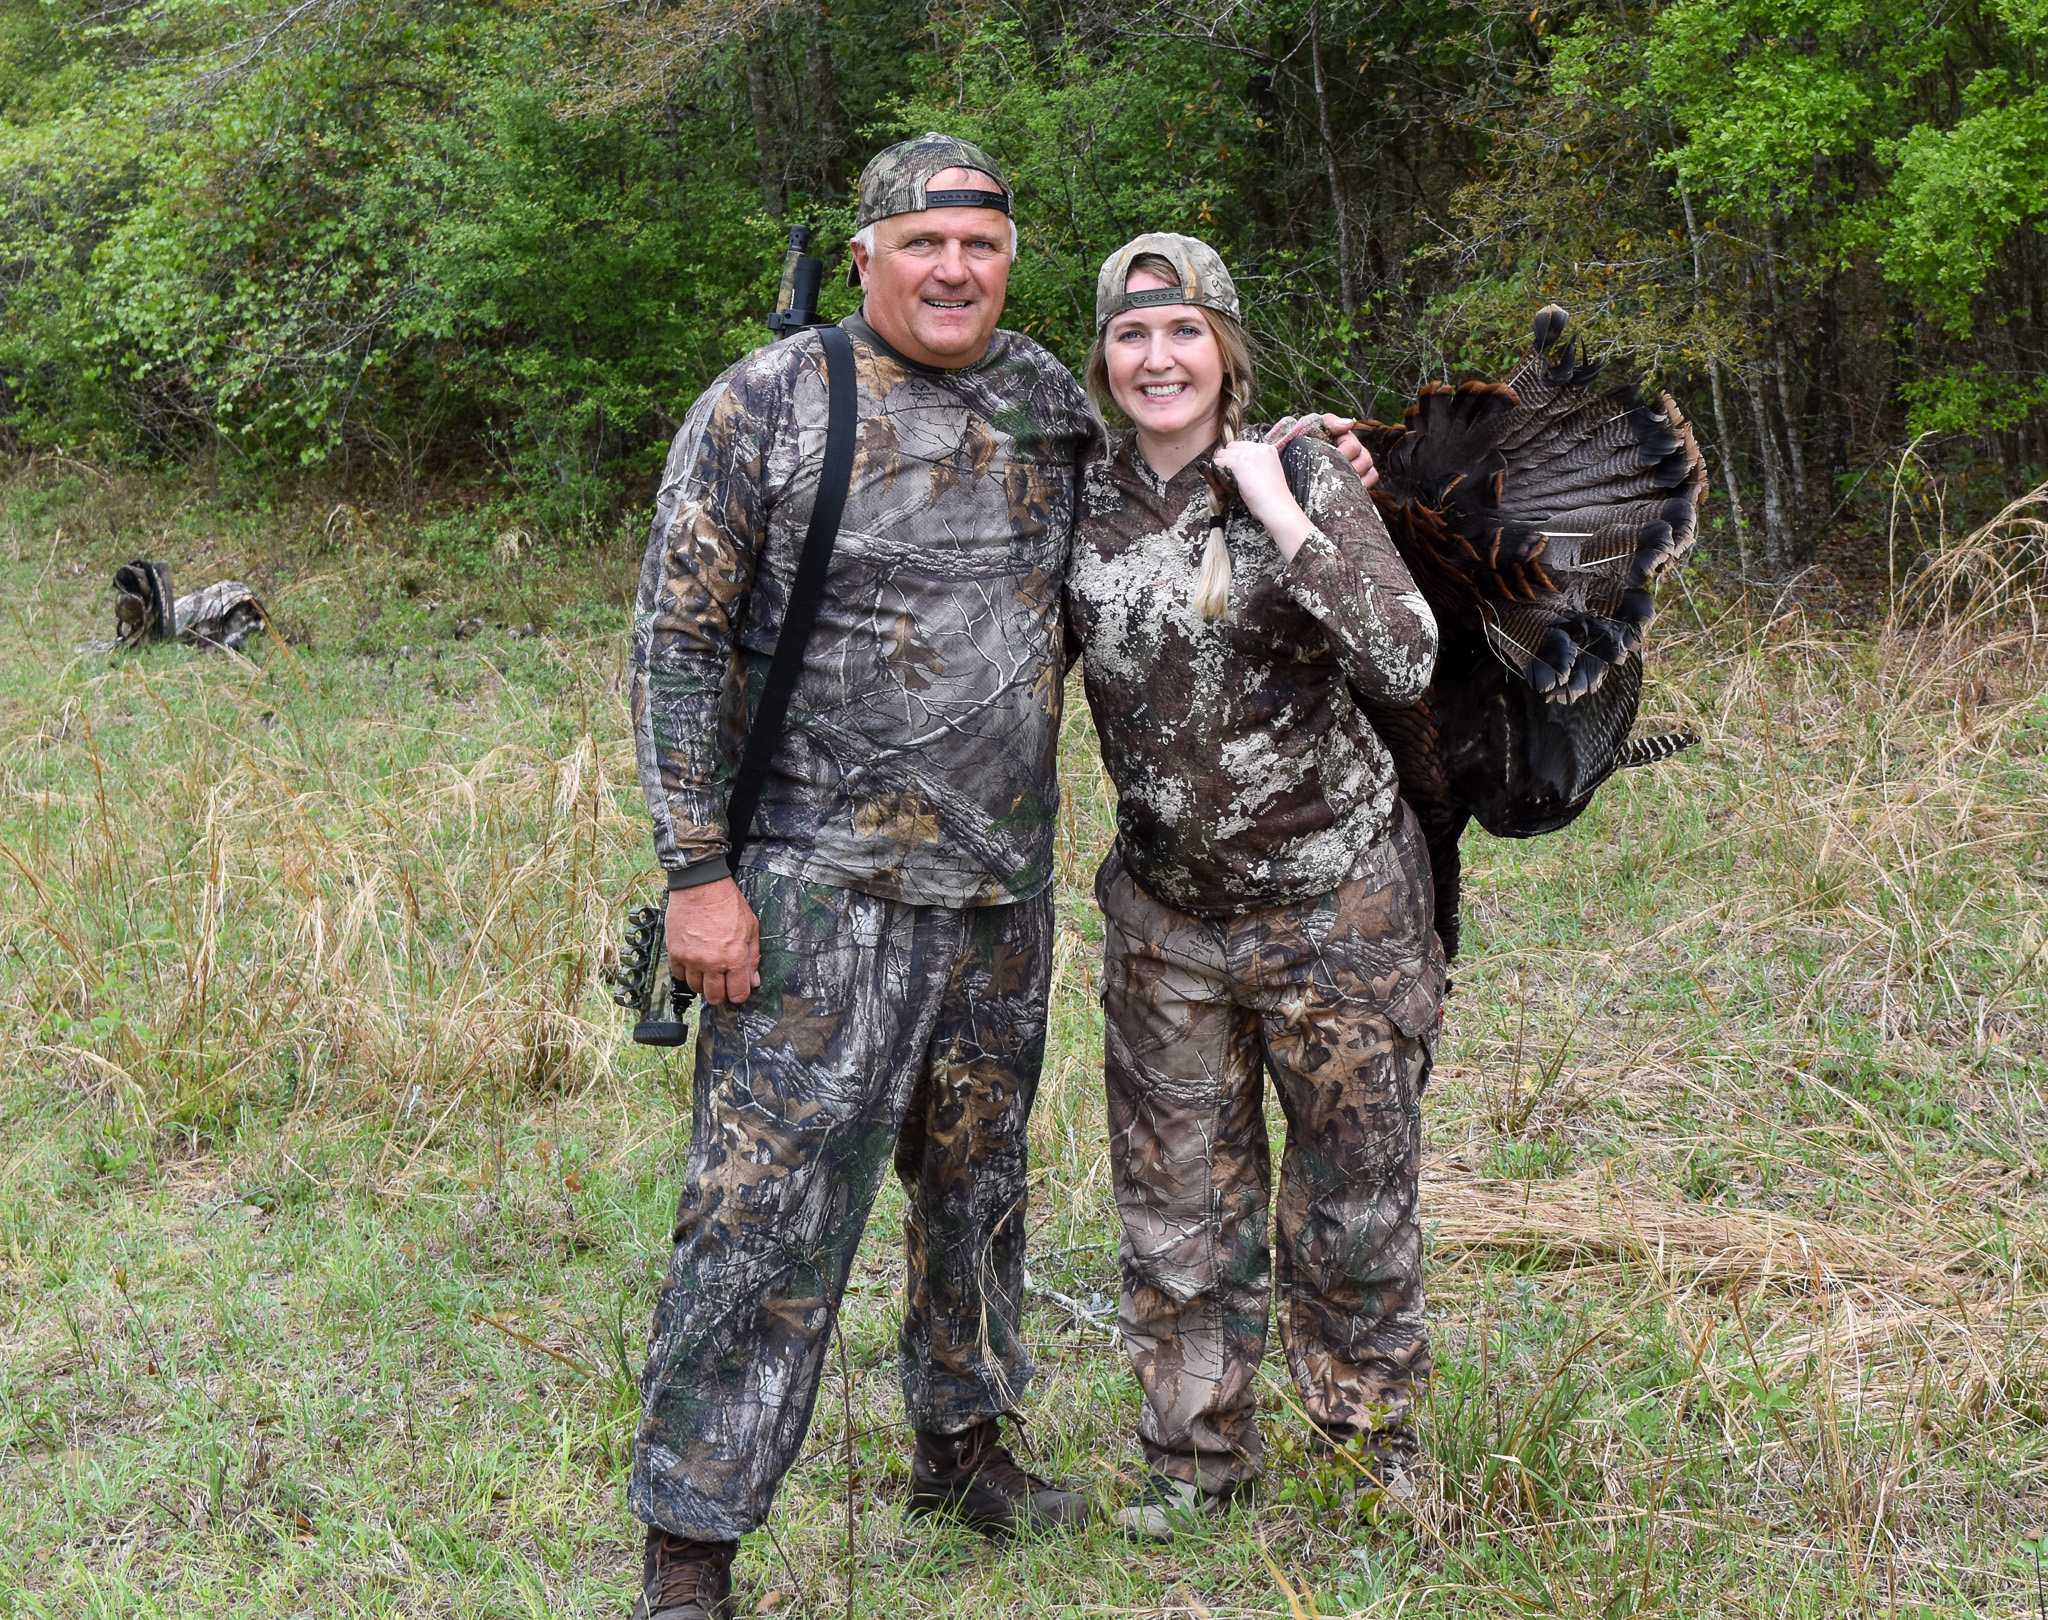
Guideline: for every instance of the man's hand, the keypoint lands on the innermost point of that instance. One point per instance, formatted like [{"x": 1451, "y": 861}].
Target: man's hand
[
  {"x": 714, "y": 941},
  {"x": 1342, "y": 429}
]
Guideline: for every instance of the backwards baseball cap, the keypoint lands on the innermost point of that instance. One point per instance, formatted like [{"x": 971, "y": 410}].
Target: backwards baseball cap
[
  {"x": 896, "y": 181},
  {"x": 1200, "y": 278}
]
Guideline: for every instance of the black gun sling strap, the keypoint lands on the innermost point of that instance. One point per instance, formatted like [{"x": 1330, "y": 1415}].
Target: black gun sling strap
[{"x": 805, "y": 593}]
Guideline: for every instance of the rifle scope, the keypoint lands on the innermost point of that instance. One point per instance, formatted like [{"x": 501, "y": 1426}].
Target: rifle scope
[{"x": 796, "y": 301}]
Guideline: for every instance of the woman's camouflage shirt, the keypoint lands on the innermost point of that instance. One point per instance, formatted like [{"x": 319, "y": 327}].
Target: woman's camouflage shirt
[
  {"x": 1246, "y": 774},
  {"x": 919, "y": 759}
]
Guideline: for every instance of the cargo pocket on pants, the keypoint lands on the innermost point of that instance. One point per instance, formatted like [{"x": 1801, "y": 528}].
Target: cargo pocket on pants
[{"x": 1419, "y": 1009}]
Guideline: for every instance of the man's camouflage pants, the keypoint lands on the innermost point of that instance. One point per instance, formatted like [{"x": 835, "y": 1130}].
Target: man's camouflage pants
[
  {"x": 880, "y": 1029},
  {"x": 1340, "y": 997}
]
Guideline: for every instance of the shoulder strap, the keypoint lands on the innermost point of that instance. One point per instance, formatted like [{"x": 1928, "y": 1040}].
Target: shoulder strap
[{"x": 805, "y": 592}]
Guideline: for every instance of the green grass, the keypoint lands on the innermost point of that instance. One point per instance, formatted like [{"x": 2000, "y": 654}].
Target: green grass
[{"x": 332, "y": 1204}]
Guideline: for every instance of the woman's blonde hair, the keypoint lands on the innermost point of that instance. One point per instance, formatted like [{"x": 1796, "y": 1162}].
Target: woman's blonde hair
[{"x": 1212, "y": 585}]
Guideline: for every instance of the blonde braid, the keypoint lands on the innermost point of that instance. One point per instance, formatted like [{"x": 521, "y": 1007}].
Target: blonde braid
[{"x": 1212, "y": 584}]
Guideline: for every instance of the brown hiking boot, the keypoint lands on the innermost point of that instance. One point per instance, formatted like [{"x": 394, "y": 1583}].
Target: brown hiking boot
[
  {"x": 685, "y": 1580},
  {"x": 974, "y": 1478}
]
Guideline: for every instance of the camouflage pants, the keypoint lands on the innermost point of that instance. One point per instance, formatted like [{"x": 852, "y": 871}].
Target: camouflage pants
[
  {"x": 880, "y": 1029},
  {"x": 1340, "y": 998}
]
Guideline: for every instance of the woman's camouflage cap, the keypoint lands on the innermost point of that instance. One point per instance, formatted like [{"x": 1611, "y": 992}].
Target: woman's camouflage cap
[
  {"x": 895, "y": 180},
  {"x": 1201, "y": 279}
]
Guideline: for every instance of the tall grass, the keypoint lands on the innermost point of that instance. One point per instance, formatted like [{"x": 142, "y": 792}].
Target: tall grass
[{"x": 240, "y": 885}]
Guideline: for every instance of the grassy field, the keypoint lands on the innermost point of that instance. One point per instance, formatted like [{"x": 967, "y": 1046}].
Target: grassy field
[{"x": 333, "y": 1204}]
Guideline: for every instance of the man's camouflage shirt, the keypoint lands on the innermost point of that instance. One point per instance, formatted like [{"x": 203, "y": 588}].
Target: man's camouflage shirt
[
  {"x": 1246, "y": 774},
  {"x": 918, "y": 762}
]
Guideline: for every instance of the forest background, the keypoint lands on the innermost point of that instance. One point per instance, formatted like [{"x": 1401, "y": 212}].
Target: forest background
[{"x": 481, "y": 254}]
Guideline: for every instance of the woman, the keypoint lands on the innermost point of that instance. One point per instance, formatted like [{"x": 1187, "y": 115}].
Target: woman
[{"x": 1267, "y": 901}]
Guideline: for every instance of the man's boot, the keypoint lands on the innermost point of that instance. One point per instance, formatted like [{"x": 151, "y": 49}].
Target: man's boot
[
  {"x": 685, "y": 1580},
  {"x": 974, "y": 1477}
]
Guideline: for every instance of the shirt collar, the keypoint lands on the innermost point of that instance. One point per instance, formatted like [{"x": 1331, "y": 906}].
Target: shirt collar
[
  {"x": 1125, "y": 450},
  {"x": 857, "y": 325}
]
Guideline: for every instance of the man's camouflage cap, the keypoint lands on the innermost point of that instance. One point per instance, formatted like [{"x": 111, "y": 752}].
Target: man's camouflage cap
[
  {"x": 895, "y": 180},
  {"x": 1198, "y": 269}
]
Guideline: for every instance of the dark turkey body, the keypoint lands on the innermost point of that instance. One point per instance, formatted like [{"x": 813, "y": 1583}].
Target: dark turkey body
[
  {"x": 1518, "y": 764},
  {"x": 1482, "y": 747}
]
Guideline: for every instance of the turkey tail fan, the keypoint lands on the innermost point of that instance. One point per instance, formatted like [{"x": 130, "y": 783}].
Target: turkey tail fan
[
  {"x": 1556, "y": 504},
  {"x": 1536, "y": 516}
]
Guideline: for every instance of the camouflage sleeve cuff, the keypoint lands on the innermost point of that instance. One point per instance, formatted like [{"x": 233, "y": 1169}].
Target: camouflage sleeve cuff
[{"x": 698, "y": 873}]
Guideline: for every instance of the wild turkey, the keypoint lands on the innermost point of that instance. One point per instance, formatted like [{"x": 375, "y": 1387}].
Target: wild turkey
[{"x": 1535, "y": 515}]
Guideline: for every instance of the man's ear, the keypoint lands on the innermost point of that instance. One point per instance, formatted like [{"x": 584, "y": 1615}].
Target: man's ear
[{"x": 857, "y": 270}]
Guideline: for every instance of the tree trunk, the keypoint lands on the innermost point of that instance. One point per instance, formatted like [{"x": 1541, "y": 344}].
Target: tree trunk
[
  {"x": 1728, "y": 475},
  {"x": 1799, "y": 491},
  {"x": 1827, "y": 383},
  {"x": 1777, "y": 558},
  {"x": 824, "y": 97},
  {"x": 1265, "y": 106},
  {"x": 1340, "y": 205},
  {"x": 1347, "y": 279},
  {"x": 1727, "y": 439},
  {"x": 767, "y": 131}
]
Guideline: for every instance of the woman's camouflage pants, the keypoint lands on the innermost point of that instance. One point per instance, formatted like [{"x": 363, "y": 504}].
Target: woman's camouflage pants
[
  {"x": 1340, "y": 997},
  {"x": 880, "y": 1029}
]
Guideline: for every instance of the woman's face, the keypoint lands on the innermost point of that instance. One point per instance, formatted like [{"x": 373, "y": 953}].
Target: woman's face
[{"x": 1165, "y": 370}]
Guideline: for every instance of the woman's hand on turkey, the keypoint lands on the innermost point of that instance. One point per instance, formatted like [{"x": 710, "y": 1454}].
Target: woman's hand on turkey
[
  {"x": 1341, "y": 431},
  {"x": 1262, "y": 486}
]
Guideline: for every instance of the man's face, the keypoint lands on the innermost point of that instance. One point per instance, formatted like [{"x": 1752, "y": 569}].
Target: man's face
[{"x": 935, "y": 283}]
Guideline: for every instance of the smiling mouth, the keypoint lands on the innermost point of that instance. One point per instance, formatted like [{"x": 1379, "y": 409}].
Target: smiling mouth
[
  {"x": 1163, "y": 390},
  {"x": 946, "y": 303}
]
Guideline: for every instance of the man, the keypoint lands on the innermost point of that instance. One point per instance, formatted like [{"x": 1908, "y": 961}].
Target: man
[{"x": 894, "y": 909}]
